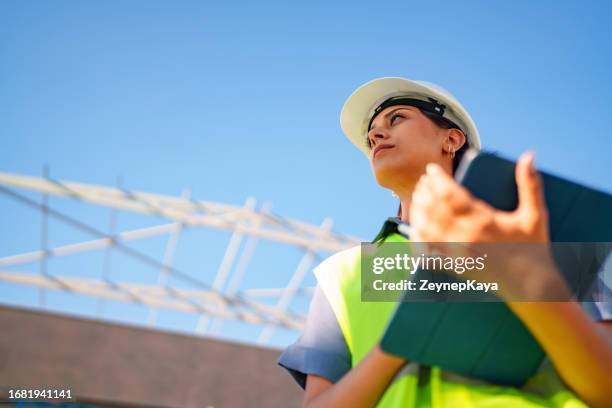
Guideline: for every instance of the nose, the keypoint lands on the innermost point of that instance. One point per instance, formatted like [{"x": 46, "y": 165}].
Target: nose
[{"x": 376, "y": 135}]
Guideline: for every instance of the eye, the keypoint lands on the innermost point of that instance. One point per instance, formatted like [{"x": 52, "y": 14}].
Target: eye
[{"x": 393, "y": 117}]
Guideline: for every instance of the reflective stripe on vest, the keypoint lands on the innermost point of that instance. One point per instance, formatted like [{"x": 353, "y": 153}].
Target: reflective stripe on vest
[{"x": 363, "y": 323}]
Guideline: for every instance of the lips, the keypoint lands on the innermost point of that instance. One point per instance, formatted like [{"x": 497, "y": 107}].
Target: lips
[{"x": 381, "y": 147}]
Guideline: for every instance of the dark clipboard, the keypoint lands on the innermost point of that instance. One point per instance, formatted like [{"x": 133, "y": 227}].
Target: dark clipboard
[{"x": 486, "y": 340}]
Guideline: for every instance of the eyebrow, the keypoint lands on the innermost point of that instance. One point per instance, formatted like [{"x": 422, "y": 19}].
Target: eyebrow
[{"x": 391, "y": 112}]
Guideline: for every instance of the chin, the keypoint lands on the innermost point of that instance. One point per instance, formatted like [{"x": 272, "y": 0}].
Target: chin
[
  {"x": 385, "y": 175},
  {"x": 390, "y": 175}
]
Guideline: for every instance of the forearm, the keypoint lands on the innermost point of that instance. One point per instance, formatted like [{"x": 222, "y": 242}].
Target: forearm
[
  {"x": 363, "y": 385},
  {"x": 580, "y": 349}
]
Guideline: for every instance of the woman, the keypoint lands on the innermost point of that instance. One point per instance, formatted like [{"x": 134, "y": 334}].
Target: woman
[{"x": 414, "y": 135}]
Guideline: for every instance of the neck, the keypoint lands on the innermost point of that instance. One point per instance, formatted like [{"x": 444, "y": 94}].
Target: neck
[{"x": 405, "y": 196}]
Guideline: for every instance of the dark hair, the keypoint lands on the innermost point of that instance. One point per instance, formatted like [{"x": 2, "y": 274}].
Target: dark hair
[{"x": 443, "y": 123}]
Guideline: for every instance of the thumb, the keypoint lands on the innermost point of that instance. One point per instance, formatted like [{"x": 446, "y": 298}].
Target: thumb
[{"x": 529, "y": 186}]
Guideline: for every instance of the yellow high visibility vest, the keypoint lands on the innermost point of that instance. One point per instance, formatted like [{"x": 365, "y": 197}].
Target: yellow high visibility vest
[{"x": 363, "y": 323}]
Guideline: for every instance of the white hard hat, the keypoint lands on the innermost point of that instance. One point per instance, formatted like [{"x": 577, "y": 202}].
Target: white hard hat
[{"x": 371, "y": 97}]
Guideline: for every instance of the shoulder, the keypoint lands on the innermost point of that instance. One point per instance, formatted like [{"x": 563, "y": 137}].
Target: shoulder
[
  {"x": 336, "y": 271},
  {"x": 344, "y": 258},
  {"x": 341, "y": 256}
]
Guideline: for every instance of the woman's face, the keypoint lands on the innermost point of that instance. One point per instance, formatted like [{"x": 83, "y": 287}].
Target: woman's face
[{"x": 403, "y": 140}]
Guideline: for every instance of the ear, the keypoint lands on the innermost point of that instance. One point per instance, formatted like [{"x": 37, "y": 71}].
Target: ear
[{"x": 454, "y": 140}]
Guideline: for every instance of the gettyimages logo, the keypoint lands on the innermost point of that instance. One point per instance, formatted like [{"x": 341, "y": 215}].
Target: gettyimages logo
[
  {"x": 558, "y": 271},
  {"x": 411, "y": 264}
]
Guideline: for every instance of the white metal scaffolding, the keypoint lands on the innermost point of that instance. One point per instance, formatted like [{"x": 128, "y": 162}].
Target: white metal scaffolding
[{"x": 215, "y": 301}]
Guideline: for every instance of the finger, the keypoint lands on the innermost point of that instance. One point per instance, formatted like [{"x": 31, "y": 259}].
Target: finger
[
  {"x": 438, "y": 180},
  {"x": 436, "y": 213},
  {"x": 529, "y": 185},
  {"x": 422, "y": 195},
  {"x": 434, "y": 209},
  {"x": 430, "y": 219},
  {"x": 423, "y": 222},
  {"x": 444, "y": 187}
]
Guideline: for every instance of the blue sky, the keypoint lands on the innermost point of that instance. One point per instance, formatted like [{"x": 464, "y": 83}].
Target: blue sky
[{"x": 242, "y": 99}]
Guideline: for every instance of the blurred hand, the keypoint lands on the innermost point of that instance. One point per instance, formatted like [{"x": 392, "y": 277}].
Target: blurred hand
[
  {"x": 443, "y": 211},
  {"x": 453, "y": 222}
]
